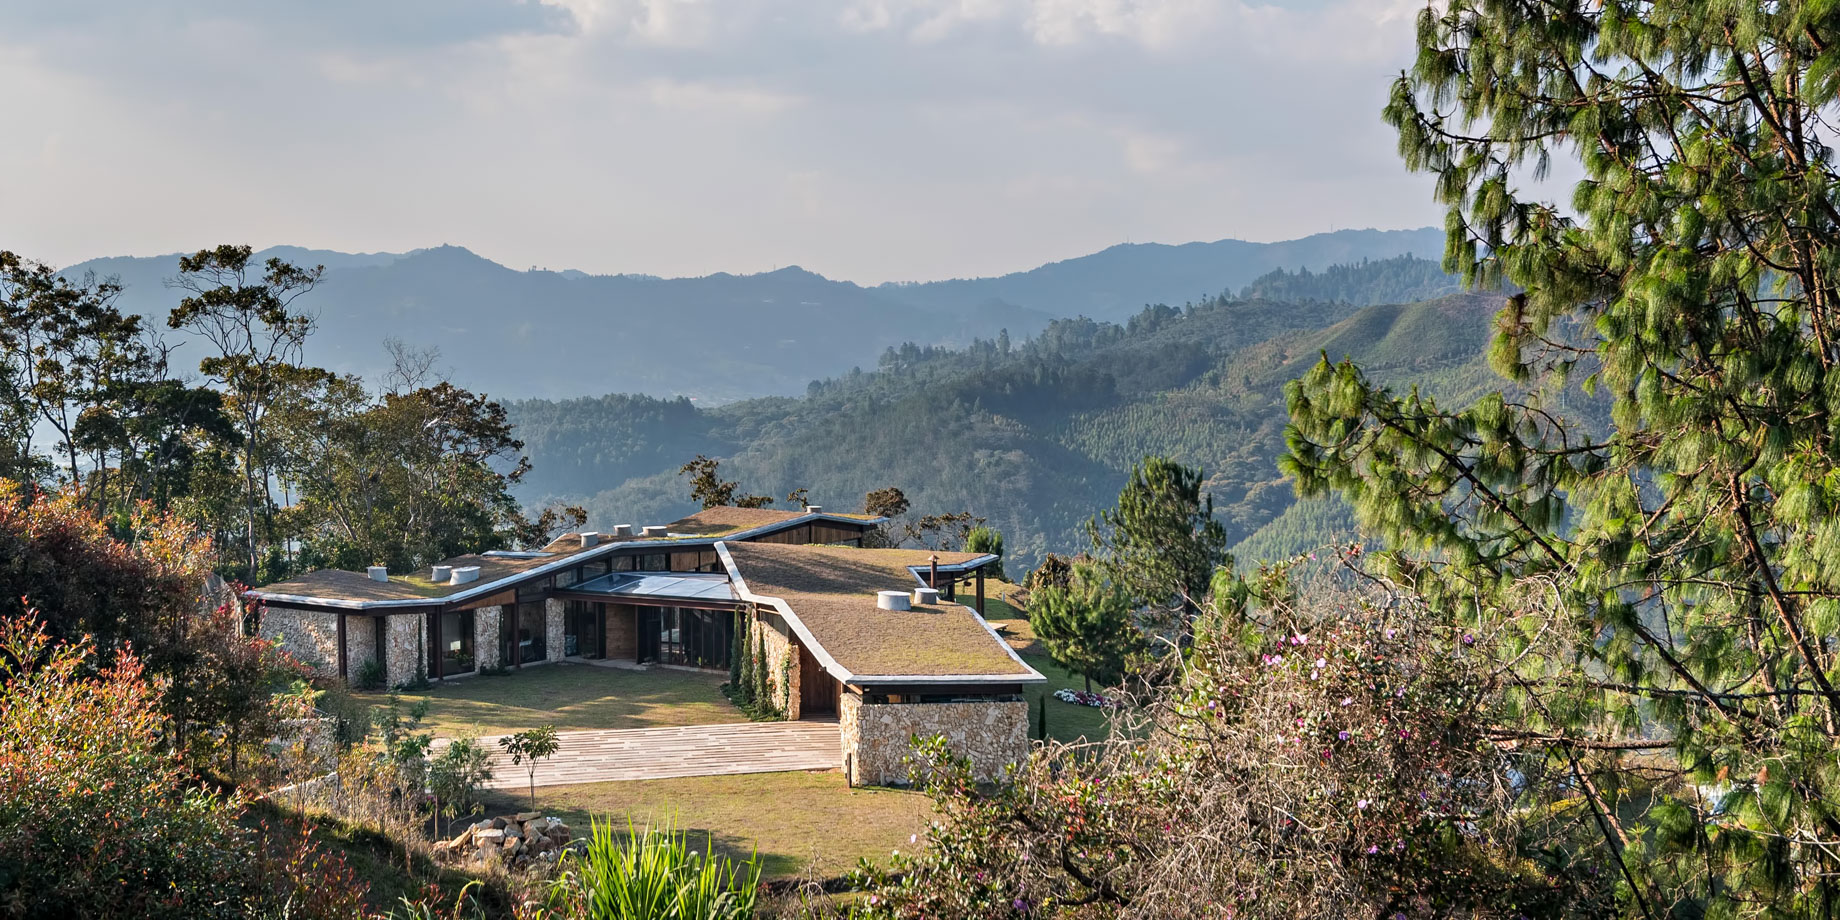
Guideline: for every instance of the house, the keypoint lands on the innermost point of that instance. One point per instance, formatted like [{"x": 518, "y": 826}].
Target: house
[{"x": 873, "y": 638}]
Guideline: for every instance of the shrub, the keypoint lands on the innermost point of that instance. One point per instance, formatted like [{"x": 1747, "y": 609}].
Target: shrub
[
  {"x": 1326, "y": 757},
  {"x": 654, "y": 875},
  {"x": 370, "y": 675},
  {"x": 456, "y": 775},
  {"x": 99, "y": 817}
]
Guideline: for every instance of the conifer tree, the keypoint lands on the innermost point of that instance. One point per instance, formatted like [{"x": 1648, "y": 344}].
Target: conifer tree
[
  {"x": 1162, "y": 543},
  {"x": 1087, "y": 625},
  {"x": 1689, "y": 552}
]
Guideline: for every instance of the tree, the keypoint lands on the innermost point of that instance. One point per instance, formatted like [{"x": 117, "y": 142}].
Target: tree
[
  {"x": 708, "y": 487},
  {"x": 1687, "y": 280},
  {"x": 529, "y": 746},
  {"x": 1162, "y": 543},
  {"x": 456, "y": 775},
  {"x": 260, "y": 338},
  {"x": 988, "y": 540},
  {"x": 946, "y": 531},
  {"x": 887, "y": 502},
  {"x": 403, "y": 479},
  {"x": 1088, "y": 626}
]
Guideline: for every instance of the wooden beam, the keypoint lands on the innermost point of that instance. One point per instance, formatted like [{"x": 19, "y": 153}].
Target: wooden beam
[
  {"x": 980, "y": 592},
  {"x": 343, "y": 676},
  {"x": 436, "y": 650}
]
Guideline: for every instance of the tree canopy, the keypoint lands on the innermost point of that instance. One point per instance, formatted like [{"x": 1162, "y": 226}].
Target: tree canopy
[{"x": 1685, "y": 552}]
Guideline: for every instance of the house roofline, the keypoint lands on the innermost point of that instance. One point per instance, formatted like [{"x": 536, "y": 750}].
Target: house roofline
[
  {"x": 836, "y": 669},
  {"x": 486, "y": 588}
]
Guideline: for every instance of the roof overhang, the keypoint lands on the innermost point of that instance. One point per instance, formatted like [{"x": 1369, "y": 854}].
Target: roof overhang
[
  {"x": 836, "y": 669},
  {"x": 487, "y": 588}
]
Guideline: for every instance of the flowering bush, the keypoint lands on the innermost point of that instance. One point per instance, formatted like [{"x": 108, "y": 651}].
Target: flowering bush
[
  {"x": 99, "y": 818},
  {"x": 1083, "y": 698},
  {"x": 1320, "y": 757}
]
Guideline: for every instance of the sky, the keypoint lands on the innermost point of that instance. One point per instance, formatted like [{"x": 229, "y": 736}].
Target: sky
[{"x": 868, "y": 140}]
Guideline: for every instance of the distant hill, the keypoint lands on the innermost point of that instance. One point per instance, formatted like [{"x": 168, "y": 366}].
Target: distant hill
[
  {"x": 1117, "y": 282},
  {"x": 1036, "y": 438},
  {"x": 720, "y": 338}
]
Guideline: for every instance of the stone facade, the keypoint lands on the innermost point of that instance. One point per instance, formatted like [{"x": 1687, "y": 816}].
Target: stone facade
[
  {"x": 555, "y": 643},
  {"x": 485, "y": 636},
  {"x": 877, "y": 737},
  {"x": 404, "y": 647},
  {"x": 782, "y": 663},
  {"x": 360, "y": 644},
  {"x": 309, "y": 635}
]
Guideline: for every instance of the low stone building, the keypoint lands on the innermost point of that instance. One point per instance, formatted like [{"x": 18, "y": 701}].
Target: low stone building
[{"x": 872, "y": 638}]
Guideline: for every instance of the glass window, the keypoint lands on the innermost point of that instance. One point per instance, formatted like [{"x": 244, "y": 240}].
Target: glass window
[
  {"x": 531, "y": 628},
  {"x": 533, "y": 589},
  {"x": 624, "y": 563},
  {"x": 457, "y": 642},
  {"x": 655, "y": 562},
  {"x": 565, "y": 578},
  {"x": 693, "y": 638},
  {"x": 594, "y": 569}
]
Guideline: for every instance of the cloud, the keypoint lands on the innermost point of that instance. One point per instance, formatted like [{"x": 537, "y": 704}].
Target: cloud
[{"x": 869, "y": 139}]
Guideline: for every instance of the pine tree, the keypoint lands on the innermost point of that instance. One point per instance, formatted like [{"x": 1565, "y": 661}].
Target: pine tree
[
  {"x": 1688, "y": 551},
  {"x": 1162, "y": 543},
  {"x": 1087, "y": 626}
]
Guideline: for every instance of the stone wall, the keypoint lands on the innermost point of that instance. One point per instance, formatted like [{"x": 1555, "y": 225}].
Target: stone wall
[
  {"x": 403, "y": 647},
  {"x": 360, "y": 644},
  {"x": 309, "y": 635},
  {"x": 878, "y": 737},
  {"x": 554, "y": 625},
  {"x": 780, "y": 650},
  {"x": 485, "y": 636}
]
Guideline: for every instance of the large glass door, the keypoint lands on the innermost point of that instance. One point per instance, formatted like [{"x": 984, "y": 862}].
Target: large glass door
[{"x": 693, "y": 638}]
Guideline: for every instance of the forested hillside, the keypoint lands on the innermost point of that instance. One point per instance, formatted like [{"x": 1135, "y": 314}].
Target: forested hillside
[{"x": 1030, "y": 435}]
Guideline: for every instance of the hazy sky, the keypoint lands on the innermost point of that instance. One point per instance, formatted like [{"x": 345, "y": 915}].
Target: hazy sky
[{"x": 865, "y": 139}]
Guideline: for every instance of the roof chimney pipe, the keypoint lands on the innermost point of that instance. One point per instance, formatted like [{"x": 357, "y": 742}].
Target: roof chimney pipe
[
  {"x": 441, "y": 573},
  {"x": 590, "y": 538},
  {"x": 655, "y": 532},
  {"x": 622, "y": 530},
  {"x": 379, "y": 573},
  {"x": 814, "y": 509}
]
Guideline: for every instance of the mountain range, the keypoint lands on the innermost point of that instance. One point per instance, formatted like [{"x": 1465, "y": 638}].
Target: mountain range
[
  {"x": 1037, "y": 436},
  {"x": 723, "y": 337}
]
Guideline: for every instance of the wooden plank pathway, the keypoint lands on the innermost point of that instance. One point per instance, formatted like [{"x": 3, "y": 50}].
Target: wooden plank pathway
[{"x": 662, "y": 753}]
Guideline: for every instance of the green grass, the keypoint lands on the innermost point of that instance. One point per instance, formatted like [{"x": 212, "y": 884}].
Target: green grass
[
  {"x": 797, "y": 821},
  {"x": 574, "y": 697},
  {"x": 1066, "y": 721}
]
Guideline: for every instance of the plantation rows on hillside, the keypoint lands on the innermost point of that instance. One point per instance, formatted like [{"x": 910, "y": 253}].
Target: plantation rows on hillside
[{"x": 1031, "y": 436}]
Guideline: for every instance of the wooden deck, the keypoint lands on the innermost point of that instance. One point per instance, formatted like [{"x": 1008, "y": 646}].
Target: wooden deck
[{"x": 689, "y": 750}]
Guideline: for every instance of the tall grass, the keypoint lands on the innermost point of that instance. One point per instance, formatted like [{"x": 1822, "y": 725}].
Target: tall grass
[{"x": 655, "y": 875}]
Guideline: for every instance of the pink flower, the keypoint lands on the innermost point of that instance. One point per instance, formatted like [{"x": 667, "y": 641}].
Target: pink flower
[
  {"x": 1322, "y": 662},
  {"x": 1299, "y": 639},
  {"x": 1362, "y": 805},
  {"x": 1347, "y": 700}
]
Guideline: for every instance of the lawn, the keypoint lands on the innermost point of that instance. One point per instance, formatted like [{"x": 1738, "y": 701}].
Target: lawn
[
  {"x": 574, "y": 697},
  {"x": 797, "y": 821},
  {"x": 1066, "y": 721}
]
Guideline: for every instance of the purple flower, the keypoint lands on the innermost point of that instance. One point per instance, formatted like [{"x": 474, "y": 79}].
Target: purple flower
[
  {"x": 1342, "y": 735},
  {"x": 1347, "y": 700},
  {"x": 1362, "y": 804},
  {"x": 1469, "y": 639},
  {"x": 1021, "y": 906}
]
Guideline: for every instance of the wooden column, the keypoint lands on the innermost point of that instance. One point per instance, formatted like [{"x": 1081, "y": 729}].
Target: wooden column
[
  {"x": 435, "y": 649},
  {"x": 980, "y": 592},
  {"x": 342, "y": 654},
  {"x": 517, "y": 648}
]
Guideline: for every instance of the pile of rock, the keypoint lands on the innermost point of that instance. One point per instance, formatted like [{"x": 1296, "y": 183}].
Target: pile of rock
[{"x": 514, "y": 840}]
